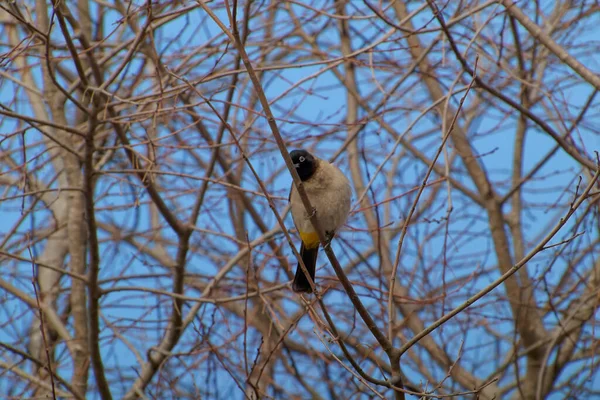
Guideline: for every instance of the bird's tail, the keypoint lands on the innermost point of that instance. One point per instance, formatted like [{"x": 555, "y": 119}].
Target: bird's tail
[{"x": 309, "y": 257}]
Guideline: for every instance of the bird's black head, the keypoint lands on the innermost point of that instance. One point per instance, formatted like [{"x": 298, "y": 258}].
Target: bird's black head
[{"x": 305, "y": 163}]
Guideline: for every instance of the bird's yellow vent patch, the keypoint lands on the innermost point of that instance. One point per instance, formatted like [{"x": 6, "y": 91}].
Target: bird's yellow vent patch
[{"x": 310, "y": 240}]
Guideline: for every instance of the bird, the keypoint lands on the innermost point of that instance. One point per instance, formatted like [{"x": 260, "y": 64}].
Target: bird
[{"x": 330, "y": 194}]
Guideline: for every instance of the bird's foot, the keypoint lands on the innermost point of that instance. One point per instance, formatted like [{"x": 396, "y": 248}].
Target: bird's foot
[{"x": 329, "y": 237}]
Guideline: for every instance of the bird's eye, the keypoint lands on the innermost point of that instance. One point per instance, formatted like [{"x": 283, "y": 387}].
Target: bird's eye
[{"x": 302, "y": 159}]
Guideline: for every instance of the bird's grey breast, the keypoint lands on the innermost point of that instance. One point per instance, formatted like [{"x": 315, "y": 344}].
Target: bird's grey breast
[{"x": 329, "y": 193}]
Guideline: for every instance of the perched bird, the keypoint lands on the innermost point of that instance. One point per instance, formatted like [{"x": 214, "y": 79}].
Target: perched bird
[{"x": 329, "y": 193}]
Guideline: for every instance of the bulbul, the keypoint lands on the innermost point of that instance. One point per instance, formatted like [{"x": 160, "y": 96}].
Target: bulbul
[{"x": 329, "y": 193}]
